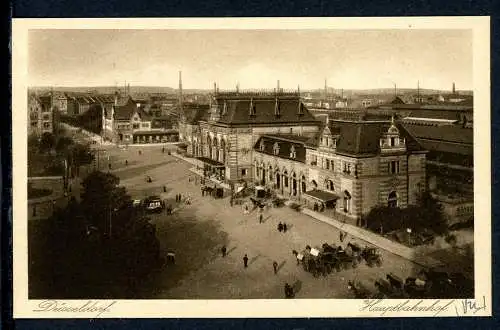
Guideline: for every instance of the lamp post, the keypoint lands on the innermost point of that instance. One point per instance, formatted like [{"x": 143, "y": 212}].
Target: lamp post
[{"x": 408, "y": 230}]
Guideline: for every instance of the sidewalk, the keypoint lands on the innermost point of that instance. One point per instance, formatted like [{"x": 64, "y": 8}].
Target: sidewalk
[{"x": 377, "y": 240}]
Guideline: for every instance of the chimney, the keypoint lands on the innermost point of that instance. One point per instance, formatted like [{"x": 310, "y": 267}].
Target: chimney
[
  {"x": 180, "y": 92},
  {"x": 453, "y": 88},
  {"x": 238, "y": 87},
  {"x": 278, "y": 87},
  {"x": 326, "y": 90}
]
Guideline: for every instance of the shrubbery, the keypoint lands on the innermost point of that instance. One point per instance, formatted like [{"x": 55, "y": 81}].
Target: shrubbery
[{"x": 427, "y": 215}]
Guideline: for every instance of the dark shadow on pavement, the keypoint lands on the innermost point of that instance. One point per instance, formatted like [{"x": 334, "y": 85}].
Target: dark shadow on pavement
[
  {"x": 253, "y": 259},
  {"x": 231, "y": 250},
  {"x": 297, "y": 286},
  {"x": 281, "y": 265}
]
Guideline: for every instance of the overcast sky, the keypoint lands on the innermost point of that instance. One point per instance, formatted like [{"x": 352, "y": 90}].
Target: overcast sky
[{"x": 254, "y": 58}]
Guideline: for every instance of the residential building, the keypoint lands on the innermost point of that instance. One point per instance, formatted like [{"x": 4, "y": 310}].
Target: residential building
[
  {"x": 128, "y": 123},
  {"x": 41, "y": 115}
]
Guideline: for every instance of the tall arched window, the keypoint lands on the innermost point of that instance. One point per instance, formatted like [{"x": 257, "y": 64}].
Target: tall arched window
[
  {"x": 303, "y": 184},
  {"x": 294, "y": 184},
  {"x": 347, "y": 202},
  {"x": 314, "y": 184},
  {"x": 329, "y": 185},
  {"x": 209, "y": 143},
  {"x": 216, "y": 149},
  {"x": 270, "y": 170},
  {"x": 392, "y": 200},
  {"x": 285, "y": 179},
  {"x": 223, "y": 150},
  {"x": 278, "y": 178}
]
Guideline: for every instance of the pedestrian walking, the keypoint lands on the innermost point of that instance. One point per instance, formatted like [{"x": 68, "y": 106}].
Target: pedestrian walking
[
  {"x": 202, "y": 192},
  {"x": 245, "y": 261},
  {"x": 163, "y": 150},
  {"x": 275, "y": 267},
  {"x": 126, "y": 162},
  {"x": 280, "y": 227},
  {"x": 288, "y": 291},
  {"x": 224, "y": 251},
  {"x": 296, "y": 254},
  {"x": 140, "y": 152},
  {"x": 261, "y": 218},
  {"x": 164, "y": 188},
  {"x": 180, "y": 198},
  {"x": 109, "y": 166},
  {"x": 284, "y": 228},
  {"x": 231, "y": 202}
]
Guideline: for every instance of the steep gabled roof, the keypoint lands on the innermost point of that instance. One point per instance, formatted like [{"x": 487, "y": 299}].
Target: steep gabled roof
[
  {"x": 362, "y": 138},
  {"x": 238, "y": 110},
  {"x": 126, "y": 111}
]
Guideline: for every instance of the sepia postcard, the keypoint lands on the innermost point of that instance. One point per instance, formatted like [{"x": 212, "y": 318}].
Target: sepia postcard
[{"x": 256, "y": 167}]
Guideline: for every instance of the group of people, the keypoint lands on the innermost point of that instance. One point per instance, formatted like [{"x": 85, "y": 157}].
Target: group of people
[
  {"x": 319, "y": 208},
  {"x": 282, "y": 227}
]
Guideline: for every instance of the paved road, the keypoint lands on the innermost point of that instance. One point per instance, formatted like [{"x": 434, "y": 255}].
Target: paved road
[{"x": 196, "y": 232}]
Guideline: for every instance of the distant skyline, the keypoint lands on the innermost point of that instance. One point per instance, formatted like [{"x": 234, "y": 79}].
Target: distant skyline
[{"x": 349, "y": 59}]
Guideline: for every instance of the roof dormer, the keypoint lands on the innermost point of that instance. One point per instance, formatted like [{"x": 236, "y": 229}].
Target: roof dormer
[
  {"x": 252, "y": 111},
  {"x": 277, "y": 107},
  {"x": 276, "y": 148},
  {"x": 391, "y": 140},
  {"x": 262, "y": 145}
]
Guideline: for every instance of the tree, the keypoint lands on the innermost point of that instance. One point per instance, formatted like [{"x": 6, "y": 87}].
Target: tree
[
  {"x": 80, "y": 155},
  {"x": 63, "y": 145},
  {"x": 431, "y": 214},
  {"x": 47, "y": 142},
  {"x": 103, "y": 200}
]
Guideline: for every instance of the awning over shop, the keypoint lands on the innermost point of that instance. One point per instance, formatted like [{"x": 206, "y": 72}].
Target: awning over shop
[
  {"x": 321, "y": 195},
  {"x": 210, "y": 162}
]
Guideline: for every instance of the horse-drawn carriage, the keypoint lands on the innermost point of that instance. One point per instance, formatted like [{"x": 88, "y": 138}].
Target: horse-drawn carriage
[
  {"x": 427, "y": 284},
  {"x": 371, "y": 256},
  {"x": 213, "y": 191},
  {"x": 322, "y": 261}
]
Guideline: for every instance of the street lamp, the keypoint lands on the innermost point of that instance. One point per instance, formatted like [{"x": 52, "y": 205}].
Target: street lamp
[{"x": 408, "y": 230}]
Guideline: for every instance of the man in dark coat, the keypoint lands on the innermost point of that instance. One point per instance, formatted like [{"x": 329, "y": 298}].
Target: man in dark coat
[
  {"x": 261, "y": 218},
  {"x": 224, "y": 251},
  {"x": 275, "y": 267},
  {"x": 284, "y": 228},
  {"x": 280, "y": 227},
  {"x": 245, "y": 261}
]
